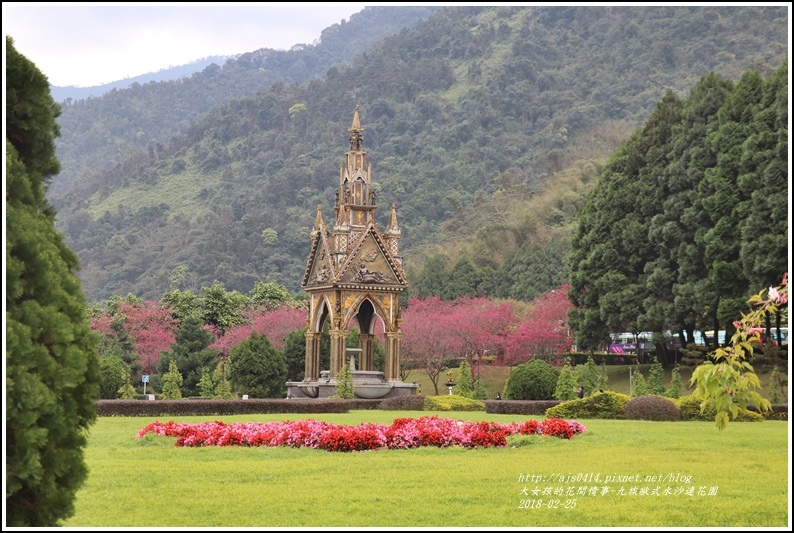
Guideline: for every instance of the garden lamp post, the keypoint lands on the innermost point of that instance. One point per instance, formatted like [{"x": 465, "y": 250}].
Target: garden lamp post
[{"x": 450, "y": 383}]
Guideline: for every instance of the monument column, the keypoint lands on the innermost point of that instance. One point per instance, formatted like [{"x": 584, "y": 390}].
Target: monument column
[
  {"x": 365, "y": 341},
  {"x": 338, "y": 349},
  {"x": 312, "y": 369},
  {"x": 392, "y": 372}
]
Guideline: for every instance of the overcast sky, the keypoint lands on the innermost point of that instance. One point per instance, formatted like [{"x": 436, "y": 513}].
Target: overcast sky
[{"x": 88, "y": 44}]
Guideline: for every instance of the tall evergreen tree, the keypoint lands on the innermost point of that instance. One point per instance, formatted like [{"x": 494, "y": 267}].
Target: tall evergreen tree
[
  {"x": 611, "y": 248},
  {"x": 190, "y": 352},
  {"x": 765, "y": 245},
  {"x": 257, "y": 368},
  {"x": 113, "y": 370},
  {"x": 726, "y": 203},
  {"x": 463, "y": 280},
  {"x": 534, "y": 270},
  {"x": 673, "y": 232},
  {"x": 587, "y": 376},
  {"x": 52, "y": 370},
  {"x": 432, "y": 280},
  {"x": 295, "y": 354}
]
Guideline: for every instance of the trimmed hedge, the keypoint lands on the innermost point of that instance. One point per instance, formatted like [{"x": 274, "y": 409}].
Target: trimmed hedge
[
  {"x": 519, "y": 407},
  {"x": 779, "y": 412},
  {"x": 580, "y": 358},
  {"x": 452, "y": 402},
  {"x": 411, "y": 402},
  {"x": 228, "y": 407},
  {"x": 690, "y": 410}
]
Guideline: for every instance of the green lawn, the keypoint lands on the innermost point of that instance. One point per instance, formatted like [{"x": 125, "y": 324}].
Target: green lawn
[{"x": 151, "y": 483}]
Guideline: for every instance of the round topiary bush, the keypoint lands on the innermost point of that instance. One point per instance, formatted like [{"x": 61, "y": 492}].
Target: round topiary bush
[
  {"x": 533, "y": 380},
  {"x": 652, "y": 407},
  {"x": 604, "y": 405}
]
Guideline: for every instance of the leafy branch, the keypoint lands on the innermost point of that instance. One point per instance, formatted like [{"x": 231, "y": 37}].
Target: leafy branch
[{"x": 728, "y": 381}]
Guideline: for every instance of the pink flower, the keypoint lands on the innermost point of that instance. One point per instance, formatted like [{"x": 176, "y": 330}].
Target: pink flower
[{"x": 402, "y": 434}]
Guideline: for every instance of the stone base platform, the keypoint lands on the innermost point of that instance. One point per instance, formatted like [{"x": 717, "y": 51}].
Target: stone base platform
[{"x": 367, "y": 384}]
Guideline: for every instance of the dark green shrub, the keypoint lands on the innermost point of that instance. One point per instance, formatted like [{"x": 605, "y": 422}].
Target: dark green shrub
[
  {"x": 212, "y": 407},
  {"x": 652, "y": 407},
  {"x": 410, "y": 402},
  {"x": 689, "y": 406},
  {"x": 604, "y": 405},
  {"x": 452, "y": 402},
  {"x": 533, "y": 380},
  {"x": 258, "y": 369},
  {"x": 779, "y": 411},
  {"x": 519, "y": 407},
  {"x": 112, "y": 370}
]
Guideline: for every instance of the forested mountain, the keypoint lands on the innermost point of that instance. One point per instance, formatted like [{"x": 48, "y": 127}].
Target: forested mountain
[
  {"x": 98, "y": 132},
  {"x": 486, "y": 125}
]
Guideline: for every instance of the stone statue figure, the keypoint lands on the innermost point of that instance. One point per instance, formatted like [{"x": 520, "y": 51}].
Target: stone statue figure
[{"x": 364, "y": 275}]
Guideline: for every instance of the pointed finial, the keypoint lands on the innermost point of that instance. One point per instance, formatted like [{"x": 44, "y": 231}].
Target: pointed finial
[
  {"x": 319, "y": 220},
  {"x": 356, "y": 126},
  {"x": 392, "y": 226}
]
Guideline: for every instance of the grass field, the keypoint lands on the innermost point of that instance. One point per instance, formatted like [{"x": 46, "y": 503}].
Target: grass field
[{"x": 151, "y": 483}]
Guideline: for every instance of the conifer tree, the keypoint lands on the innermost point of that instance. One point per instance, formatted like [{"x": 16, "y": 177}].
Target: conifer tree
[
  {"x": 480, "y": 392},
  {"x": 775, "y": 394},
  {"x": 112, "y": 371},
  {"x": 675, "y": 383},
  {"x": 566, "y": 383},
  {"x": 603, "y": 377},
  {"x": 639, "y": 387},
  {"x": 223, "y": 387},
  {"x": 587, "y": 376},
  {"x": 344, "y": 383},
  {"x": 52, "y": 370},
  {"x": 191, "y": 353},
  {"x": 655, "y": 374},
  {"x": 126, "y": 391},
  {"x": 172, "y": 383},
  {"x": 205, "y": 385},
  {"x": 258, "y": 369},
  {"x": 464, "y": 386}
]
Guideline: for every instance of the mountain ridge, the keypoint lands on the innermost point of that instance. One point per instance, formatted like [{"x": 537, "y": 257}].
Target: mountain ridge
[
  {"x": 63, "y": 93},
  {"x": 469, "y": 116}
]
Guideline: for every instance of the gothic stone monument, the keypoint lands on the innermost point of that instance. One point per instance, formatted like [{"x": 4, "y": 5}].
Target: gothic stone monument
[{"x": 354, "y": 275}]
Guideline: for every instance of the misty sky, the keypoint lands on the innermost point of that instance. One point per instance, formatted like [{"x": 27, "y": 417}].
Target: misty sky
[{"x": 87, "y": 45}]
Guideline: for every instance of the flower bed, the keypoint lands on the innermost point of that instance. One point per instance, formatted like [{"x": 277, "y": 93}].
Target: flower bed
[{"x": 403, "y": 433}]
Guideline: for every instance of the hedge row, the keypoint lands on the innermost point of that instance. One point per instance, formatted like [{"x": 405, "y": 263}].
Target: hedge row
[
  {"x": 519, "y": 407},
  {"x": 228, "y": 407},
  {"x": 210, "y": 407},
  {"x": 597, "y": 406}
]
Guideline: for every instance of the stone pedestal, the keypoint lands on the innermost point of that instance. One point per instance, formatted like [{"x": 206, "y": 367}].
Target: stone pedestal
[{"x": 367, "y": 384}]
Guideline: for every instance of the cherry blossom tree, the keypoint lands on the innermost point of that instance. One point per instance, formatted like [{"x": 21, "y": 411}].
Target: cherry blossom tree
[
  {"x": 275, "y": 325},
  {"x": 150, "y": 325},
  {"x": 478, "y": 324},
  {"x": 544, "y": 333},
  {"x": 426, "y": 343}
]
